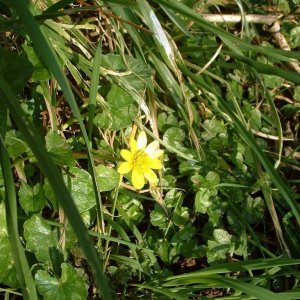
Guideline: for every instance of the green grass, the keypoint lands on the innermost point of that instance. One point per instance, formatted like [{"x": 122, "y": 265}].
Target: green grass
[{"x": 77, "y": 81}]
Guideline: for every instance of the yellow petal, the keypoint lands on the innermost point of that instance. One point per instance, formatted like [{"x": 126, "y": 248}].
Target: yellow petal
[
  {"x": 124, "y": 168},
  {"x": 133, "y": 146},
  {"x": 150, "y": 175},
  {"x": 127, "y": 155},
  {"x": 142, "y": 140},
  {"x": 155, "y": 164},
  {"x": 137, "y": 178}
]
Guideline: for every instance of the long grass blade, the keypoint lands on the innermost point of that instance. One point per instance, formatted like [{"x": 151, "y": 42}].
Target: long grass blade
[
  {"x": 94, "y": 88},
  {"x": 237, "y": 43},
  {"x": 223, "y": 282},
  {"x": 50, "y": 59},
  {"x": 23, "y": 271},
  {"x": 54, "y": 176}
]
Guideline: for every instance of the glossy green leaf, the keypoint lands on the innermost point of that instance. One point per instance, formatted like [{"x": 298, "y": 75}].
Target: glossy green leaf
[
  {"x": 202, "y": 200},
  {"x": 39, "y": 238},
  {"x": 184, "y": 234},
  {"x": 173, "y": 198},
  {"x": 222, "y": 236},
  {"x": 180, "y": 215},
  {"x": 212, "y": 127},
  {"x": 108, "y": 178},
  {"x": 15, "y": 143},
  {"x": 8, "y": 274},
  {"x": 254, "y": 210},
  {"x": 121, "y": 110},
  {"x": 59, "y": 149},
  {"x": 32, "y": 199},
  {"x": 3, "y": 229},
  {"x": 69, "y": 286},
  {"x": 158, "y": 217},
  {"x": 166, "y": 121},
  {"x": 80, "y": 185},
  {"x": 133, "y": 73},
  {"x": 212, "y": 178},
  {"x": 132, "y": 206},
  {"x": 174, "y": 137}
]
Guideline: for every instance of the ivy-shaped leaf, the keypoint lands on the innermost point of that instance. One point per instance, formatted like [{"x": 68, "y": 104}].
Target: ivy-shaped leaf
[
  {"x": 80, "y": 184},
  {"x": 15, "y": 143},
  {"x": 8, "y": 275},
  {"x": 121, "y": 110},
  {"x": 69, "y": 286},
  {"x": 107, "y": 178},
  {"x": 59, "y": 149},
  {"x": 32, "y": 199},
  {"x": 39, "y": 238}
]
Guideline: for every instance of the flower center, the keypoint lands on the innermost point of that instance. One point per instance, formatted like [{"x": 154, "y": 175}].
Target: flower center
[{"x": 140, "y": 159}]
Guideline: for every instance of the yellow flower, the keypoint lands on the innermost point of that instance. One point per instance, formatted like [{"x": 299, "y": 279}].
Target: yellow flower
[{"x": 141, "y": 159}]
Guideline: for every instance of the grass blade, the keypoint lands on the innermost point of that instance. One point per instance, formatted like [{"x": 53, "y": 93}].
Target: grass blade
[
  {"x": 54, "y": 176},
  {"x": 227, "y": 37},
  {"x": 223, "y": 282},
  {"x": 23, "y": 271},
  {"x": 94, "y": 88},
  {"x": 223, "y": 107},
  {"x": 50, "y": 59}
]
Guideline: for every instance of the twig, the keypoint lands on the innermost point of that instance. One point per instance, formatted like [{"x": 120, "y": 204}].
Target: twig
[{"x": 283, "y": 44}]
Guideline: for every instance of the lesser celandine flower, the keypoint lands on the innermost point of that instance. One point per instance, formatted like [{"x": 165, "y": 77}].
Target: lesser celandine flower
[{"x": 141, "y": 160}]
